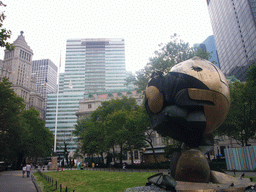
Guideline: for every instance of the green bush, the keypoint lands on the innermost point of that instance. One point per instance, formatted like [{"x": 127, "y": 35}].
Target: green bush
[
  {"x": 218, "y": 166},
  {"x": 161, "y": 165}
]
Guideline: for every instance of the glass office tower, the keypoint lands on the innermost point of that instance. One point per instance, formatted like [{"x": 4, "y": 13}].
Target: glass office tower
[
  {"x": 92, "y": 66},
  {"x": 95, "y": 65},
  {"x": 46, "y": 76},
  {"x": 234, "y": 28},
  {"x": 210, "y": 46}
]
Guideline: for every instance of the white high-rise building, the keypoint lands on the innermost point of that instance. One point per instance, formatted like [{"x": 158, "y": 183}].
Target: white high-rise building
[
  {"x": 92, "y": 66},
  {"x": 46, "y": 76},
  {"x": 95, "y": 65}
]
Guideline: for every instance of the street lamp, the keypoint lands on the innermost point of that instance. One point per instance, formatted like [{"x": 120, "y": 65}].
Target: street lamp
[{"x": 57, "y": 106}]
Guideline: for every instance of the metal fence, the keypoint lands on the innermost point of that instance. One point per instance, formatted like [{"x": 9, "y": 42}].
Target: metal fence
[{"x": 54, "y": 183}]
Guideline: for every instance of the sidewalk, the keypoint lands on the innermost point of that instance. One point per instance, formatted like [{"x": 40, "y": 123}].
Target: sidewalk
[{"x": 11, "y": 181}]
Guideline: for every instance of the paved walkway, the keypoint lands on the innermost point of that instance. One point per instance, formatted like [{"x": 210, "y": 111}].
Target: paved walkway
[{"x": 12, "y": 181}]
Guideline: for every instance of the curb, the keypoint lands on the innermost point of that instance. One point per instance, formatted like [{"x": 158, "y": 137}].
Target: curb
[{"x": 38, "y": 189}]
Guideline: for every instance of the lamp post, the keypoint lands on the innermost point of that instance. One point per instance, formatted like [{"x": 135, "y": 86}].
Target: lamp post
[
  {"x": 57, "y": 106},
  {"x": 54, "y": 164},
  {"x": 56, "y": 118}
]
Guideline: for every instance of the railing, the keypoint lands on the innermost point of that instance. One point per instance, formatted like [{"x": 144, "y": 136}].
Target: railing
[{"x": 53, "y": 182}]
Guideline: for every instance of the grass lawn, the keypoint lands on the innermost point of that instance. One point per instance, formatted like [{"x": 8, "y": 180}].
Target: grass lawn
[
  {"x": 253, "y": 178},
  {"x": 85, "y": 180}
]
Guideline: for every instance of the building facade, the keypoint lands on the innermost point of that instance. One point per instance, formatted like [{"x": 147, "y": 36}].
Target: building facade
[
  {"x": 209, "y": 45},
  {"x": 46, "y": 76},
  {"x": 95, "y": 65},
  {"x": 92, "y": 65},
  {"x": 234, "y": 28},
  {"x": 17, "y": 67}
]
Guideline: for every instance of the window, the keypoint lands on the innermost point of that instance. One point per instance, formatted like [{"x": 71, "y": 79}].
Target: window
[{"x": 89, "y": 106}]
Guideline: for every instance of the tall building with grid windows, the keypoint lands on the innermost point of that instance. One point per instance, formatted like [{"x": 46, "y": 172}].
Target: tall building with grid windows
[
  {"x": 91, "y": 66},
  {"x": 234, "y": 28},
  {"x": 46, "y": 76},
  {"x": 95, "y": 65},
  {"x": 209, "y": 45}
]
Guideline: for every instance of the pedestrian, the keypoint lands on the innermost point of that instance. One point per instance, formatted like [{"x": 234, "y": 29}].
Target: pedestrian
[
  {"x": 23, "y": 170},
  {"x": 28, "y": 168}
]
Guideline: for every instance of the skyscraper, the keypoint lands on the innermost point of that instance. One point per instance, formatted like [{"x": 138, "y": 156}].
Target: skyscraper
[
  {"x": 46, "y": 76},
  {"x": 17, "y": 66},
  {"x": 95, "y": 65},
  {"x": 210, "y": 46},
  {"x": 92, "y": 66},
  {"x": 234, "y": 28}
]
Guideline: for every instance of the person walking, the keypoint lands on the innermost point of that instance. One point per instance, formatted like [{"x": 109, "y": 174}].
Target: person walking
[
  {"x": 28, "y": 168},
  {"x": 23, "y": 170}
]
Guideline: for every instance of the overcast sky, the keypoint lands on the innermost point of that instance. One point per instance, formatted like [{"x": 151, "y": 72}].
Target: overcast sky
[{"x": 144, "y": 24}]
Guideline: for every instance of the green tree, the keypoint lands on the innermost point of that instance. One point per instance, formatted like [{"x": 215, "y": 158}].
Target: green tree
[
  {"x": 107, "y": 127},
  {"x": 92, "y": 137},
  {"x": 241, "y": 119},
  {"x": 165, "y": 58},
  {"x": 135, "y": 126},
  {"x": 37, "y": 141},
  {"x": 116, "y": 129},
  {"x": 171, "y": 146},
  {"x": 251, "y": 75},
  {"x": 22, "y": 134},
  {"x": 108, "y": 107},
  {"x": 4, "y": 33},
  {"x": 11, "y": 107}
]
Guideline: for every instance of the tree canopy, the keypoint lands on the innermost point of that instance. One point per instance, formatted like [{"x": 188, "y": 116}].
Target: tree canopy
[
  {"x": 22, "y": 133},
  {"x": 36, "y": 139},
  {"x": 4, "y": 33},
  {"x": 165, "y": 58},
  {"x": 240, "y": 123},
  {"x": 11, "y": 107},
  {"x": 118, "y": 122}
]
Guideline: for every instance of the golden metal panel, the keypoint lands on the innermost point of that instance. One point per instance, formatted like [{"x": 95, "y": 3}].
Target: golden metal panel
[
  {"x": 215, "y": 115},
  {"x": 155, "y": 99},
  {"x": 206, "y": 72}
]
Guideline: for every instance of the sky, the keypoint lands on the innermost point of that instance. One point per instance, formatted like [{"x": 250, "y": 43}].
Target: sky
[{"x": 143, "y": 24}]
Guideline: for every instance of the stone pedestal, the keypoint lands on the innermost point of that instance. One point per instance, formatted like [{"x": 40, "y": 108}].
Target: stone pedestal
[{"x": 54, "y": 164}]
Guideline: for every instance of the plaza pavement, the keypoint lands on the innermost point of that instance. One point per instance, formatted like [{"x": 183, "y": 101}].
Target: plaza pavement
[{"x": 12, "y": 181}]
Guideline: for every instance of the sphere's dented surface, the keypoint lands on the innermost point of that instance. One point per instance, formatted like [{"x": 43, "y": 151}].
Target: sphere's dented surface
[
  {"x": 193, "y": 167},
  {"x": 188, "y": 102},
  {"x": 218, "y": 92},
  {"x": 206, "y": 72}
]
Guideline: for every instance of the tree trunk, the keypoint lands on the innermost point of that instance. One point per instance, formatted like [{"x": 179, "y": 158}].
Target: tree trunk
[
  {"x": 131, "y": 155},
  {"x": 102, "y": 158},
  {"x": 152, "y": 147},
  {"x": 121, "y": 154},
  {"x": 114, "y": 157}
]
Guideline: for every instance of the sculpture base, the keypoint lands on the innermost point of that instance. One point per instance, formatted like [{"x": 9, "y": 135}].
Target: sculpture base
[
  {"x": 219, "y": 182},
  {"x": 54, "y": 164}
]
